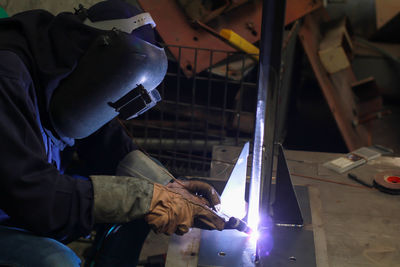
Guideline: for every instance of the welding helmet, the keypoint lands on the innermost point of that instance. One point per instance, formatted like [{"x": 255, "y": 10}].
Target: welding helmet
[{"x": 117, "y": 75}]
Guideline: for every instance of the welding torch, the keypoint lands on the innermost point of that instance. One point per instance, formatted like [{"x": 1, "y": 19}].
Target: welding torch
[
  {"x": 231, "y": 222},
  {"x": 238, "y": 224}
]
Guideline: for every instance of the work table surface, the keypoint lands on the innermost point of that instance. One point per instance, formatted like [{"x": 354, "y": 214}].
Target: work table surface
[
  {"x": 353, "y": 226},
  {"x": 361, "y": 226}
]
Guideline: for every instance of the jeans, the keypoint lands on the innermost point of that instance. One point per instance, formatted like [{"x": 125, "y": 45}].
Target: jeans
[
  {"x": 118, "y": 246},
  {"x": 122, "y": 245},
  {"x": 19, "y": 248}
]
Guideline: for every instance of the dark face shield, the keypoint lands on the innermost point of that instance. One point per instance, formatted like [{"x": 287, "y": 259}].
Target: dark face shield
[{"x": 116, "y": 77}]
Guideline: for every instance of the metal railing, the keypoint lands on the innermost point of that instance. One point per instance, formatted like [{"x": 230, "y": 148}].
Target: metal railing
[{"x": 200, "y": 109}]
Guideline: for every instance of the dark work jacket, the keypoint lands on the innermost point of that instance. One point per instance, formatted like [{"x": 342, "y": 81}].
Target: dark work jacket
[
  {"x": 37, "y": 51},
  {"x": 34, "y": 193}
]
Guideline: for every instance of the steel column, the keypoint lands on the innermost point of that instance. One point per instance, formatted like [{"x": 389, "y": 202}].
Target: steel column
[{"x": 273, "y": 15}]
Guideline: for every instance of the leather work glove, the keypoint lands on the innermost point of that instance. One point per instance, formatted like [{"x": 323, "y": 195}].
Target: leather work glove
[
  {"x": 138, "y": 192},
  {"x": 174, "y": 210},
  {"x": 199, "y": 188}
]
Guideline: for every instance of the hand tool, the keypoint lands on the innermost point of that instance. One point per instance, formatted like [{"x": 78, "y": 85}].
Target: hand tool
[
  {"x": 233, "y": 39},
  {"x": 388, "y": 181}
]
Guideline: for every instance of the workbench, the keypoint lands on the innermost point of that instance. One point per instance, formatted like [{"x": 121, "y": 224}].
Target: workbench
[
  {"x": 353, "y": 226},
  {"x": 361, "y": 227}
]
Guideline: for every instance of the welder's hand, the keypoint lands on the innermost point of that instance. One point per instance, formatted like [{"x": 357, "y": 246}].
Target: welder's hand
[
  {"x": 175, "y": 210},
  {"x": 198, "y": 188}
]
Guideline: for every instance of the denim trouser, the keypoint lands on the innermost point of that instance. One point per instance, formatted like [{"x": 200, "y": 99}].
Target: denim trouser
[
  {"x": 121, "y": 247},
  {"x": 19, "y": 248}
]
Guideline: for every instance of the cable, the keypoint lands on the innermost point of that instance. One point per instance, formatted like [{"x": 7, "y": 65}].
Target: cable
[{"x": 329, "y": 181}]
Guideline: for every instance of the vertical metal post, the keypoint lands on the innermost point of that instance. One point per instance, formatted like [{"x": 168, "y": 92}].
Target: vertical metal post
[
  {"x": 264, "y": 134},
  {"x": 193, "y": 106},
  {"x": 209, "y": 85}
]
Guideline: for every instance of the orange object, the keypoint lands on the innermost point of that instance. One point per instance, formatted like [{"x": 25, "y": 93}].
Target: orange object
[
  {"x": 169, "y": 15},
  {"x": 296, "y": 9}
]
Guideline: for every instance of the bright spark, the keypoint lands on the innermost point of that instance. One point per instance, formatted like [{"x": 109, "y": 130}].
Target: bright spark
[{"x": 254, "y": 236}]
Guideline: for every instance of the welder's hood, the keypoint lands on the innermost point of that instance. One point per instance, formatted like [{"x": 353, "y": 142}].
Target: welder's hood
[
  {"x": 88, "y": 67},
  {"x": 117, "y": 75}
]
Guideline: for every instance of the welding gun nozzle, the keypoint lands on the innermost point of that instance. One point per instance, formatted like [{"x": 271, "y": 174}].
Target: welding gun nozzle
[{"x": 235, "y": 223}]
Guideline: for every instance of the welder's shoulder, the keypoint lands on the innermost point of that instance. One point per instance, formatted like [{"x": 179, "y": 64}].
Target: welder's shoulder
[{"x": 12, "y": 67}]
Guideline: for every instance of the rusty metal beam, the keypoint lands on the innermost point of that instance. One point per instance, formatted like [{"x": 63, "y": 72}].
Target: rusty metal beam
[
  {"x": 336, "y": 87},
  {"x": 175, "y": 29}
]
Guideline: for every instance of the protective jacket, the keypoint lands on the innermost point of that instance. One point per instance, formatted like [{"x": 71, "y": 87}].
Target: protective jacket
[
  {"x": 35, "y": 195},
  {"x": 38, "y": 50}
]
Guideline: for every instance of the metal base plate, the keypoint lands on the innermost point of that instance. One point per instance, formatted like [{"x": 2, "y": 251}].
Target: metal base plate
[
  {"x": 225, "y": 248},
  {"x": 291, "y": 246}
]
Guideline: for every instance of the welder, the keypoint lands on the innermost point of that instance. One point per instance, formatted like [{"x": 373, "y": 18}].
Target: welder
[{"x": 63, "y": 82}]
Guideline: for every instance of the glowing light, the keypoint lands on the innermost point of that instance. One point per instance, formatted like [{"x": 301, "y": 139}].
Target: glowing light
[
  {"x": 143, "y": 80},
  {"x": 254, "y": 236},
  {"x": 265, "y": 238},
  {"x": 254, "y": 198},
  {"x": 254, "y": 219},
  {"x": 232, "y": 198},
  {"x": 234, "y": 206}
]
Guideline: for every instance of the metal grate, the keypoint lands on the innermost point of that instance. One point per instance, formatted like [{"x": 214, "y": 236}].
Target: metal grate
[{"x": 200, "y": 109}]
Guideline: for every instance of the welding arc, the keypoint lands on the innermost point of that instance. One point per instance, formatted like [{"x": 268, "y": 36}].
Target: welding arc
[{"x": 388, "y": 182}]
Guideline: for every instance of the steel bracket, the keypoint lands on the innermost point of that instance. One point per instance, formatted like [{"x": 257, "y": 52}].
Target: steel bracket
[{"x": 286, "y": 209}]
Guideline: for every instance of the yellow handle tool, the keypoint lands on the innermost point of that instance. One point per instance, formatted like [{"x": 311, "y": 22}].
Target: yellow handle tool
[
  {"x": 240, "y": 43},
  {"x": 233, "y": 39}
]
